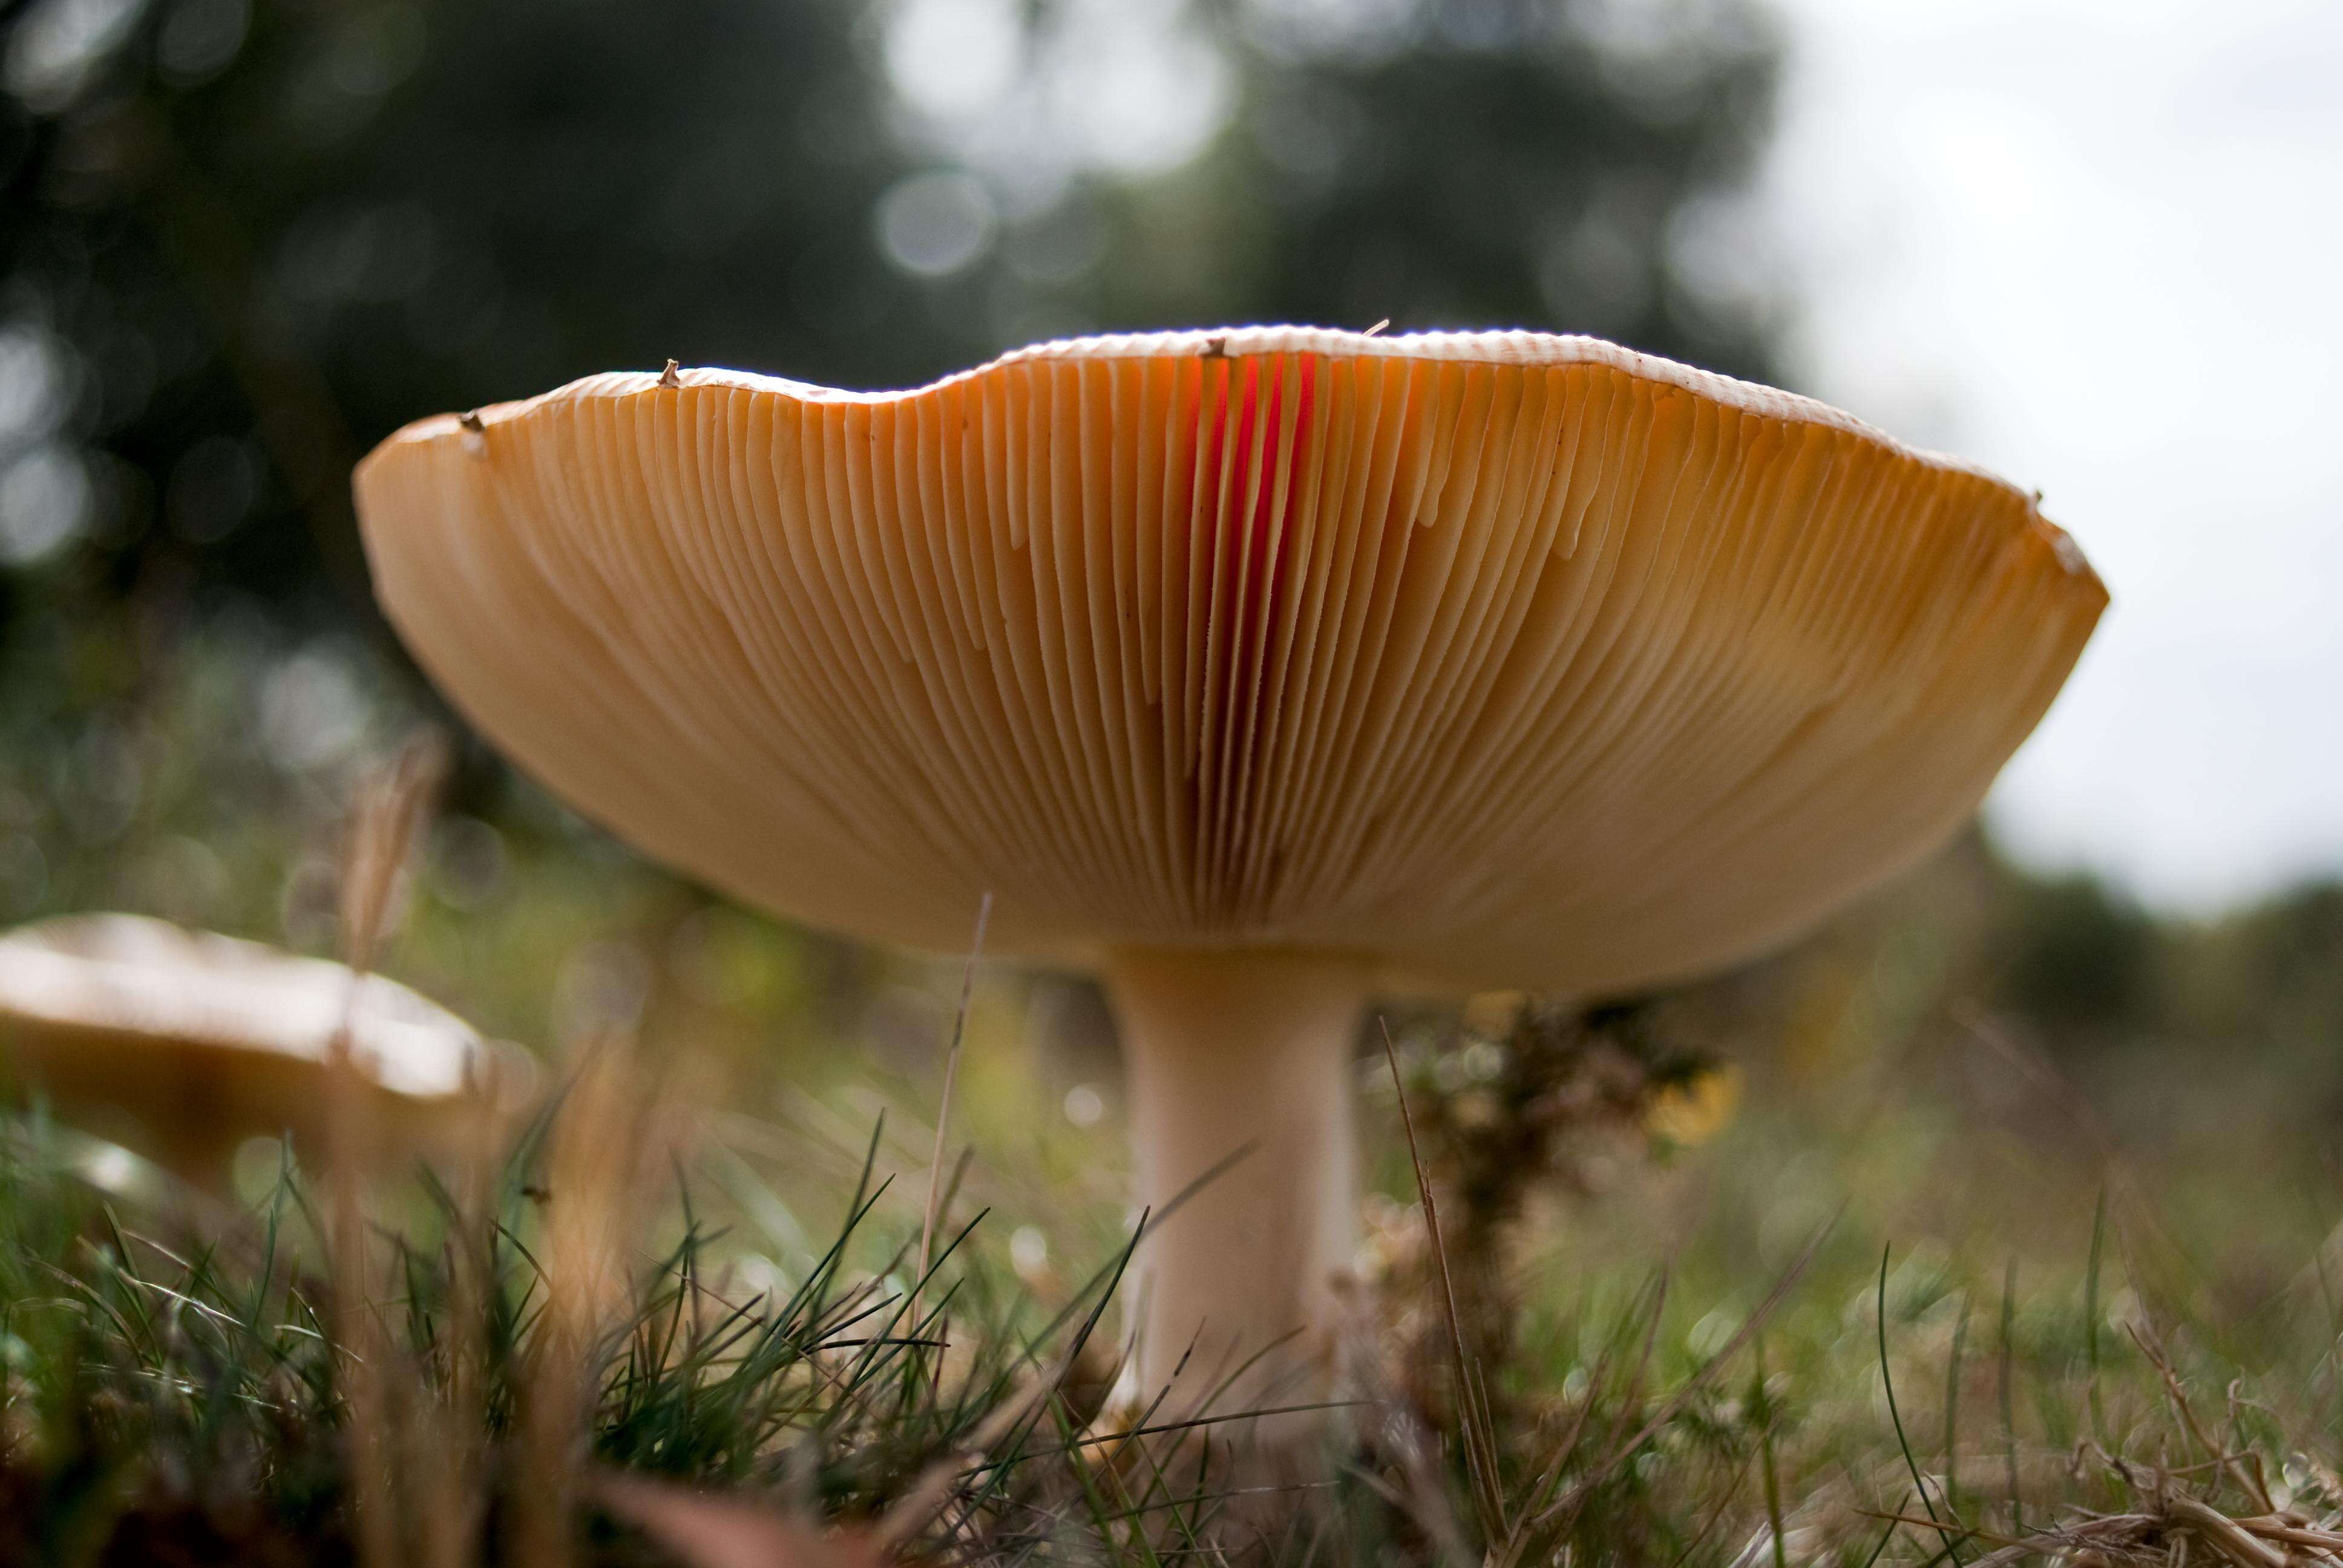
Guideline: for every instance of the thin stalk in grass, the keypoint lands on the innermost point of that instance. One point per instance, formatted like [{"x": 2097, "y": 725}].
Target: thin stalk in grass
[
  {"x": 1715, "y": 1517},
  {"x": 2008, "y": 1398},
  {"x": 1952, "y": 1411},
  {"x": 1542, "y": 1492},
  {"x": 1642, "y": 1367},
  {"x": 1480, "y": 1443},
  {"x": 1186, "y": 1424},
  {"x": 1946, "y": 1552},
  {"x": 943, "y": 1110},
  {"x": 1894, "y": 1524},
  {"x": 2091, "y": 1319},
  {"x": 2334, "y": 1357},
  {"x": 1888, "y": 1378},
  {"x": 1761, "y": 1407}
]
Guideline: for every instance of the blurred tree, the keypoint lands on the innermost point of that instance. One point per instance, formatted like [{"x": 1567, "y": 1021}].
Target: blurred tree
[
  {"x": 2270, "y": 978},
  {"x": 243, "y": 239},
  {"x": 1472, "y": 163},
  {"x": 2297, "y": 942},
  {"x": 2078, "y": 961}
]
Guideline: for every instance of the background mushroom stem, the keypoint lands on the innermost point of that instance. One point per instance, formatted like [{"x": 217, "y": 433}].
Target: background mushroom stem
[{"x": 1241, "y": 1061}]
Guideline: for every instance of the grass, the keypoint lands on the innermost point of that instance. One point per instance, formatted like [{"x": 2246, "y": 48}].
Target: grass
[{"x": 569, "y": 1359}]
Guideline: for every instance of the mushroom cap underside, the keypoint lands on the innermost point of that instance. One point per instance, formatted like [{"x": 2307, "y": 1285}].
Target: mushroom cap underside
[{"x": 1501, "y": 658}]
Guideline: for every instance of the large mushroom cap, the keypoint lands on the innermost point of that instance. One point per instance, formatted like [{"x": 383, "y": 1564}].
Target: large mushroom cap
[
  {"x": 184, "y": 1043},
  {"x": 1502, "y": 658}
]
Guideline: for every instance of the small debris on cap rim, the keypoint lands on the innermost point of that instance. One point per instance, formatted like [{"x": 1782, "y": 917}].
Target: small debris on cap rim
[{"x": 2070, "y": 554}]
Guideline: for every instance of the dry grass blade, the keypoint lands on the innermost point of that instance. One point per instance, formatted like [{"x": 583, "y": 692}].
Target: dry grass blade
[
  {"x": 2163, "y": 1529},
  {"x": 1922, "y": 1522},
  {"x": 2114, "y": 1537},
  {"x": 2224, "y": 1534},
  {"x": 706, "y": 1530},
  {"x": 389, "y": 808},
  {"x": 2290, "y": 1532},
  {"x": 943, "y": 1110},
  {"x": 2152, "y": 1348},
  {"x": 1480, "y": 1441},
  {"x": 609, "y": 1136}
]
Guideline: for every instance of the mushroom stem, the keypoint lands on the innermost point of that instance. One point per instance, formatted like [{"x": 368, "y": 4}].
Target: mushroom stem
[{"x": 1241, "y": 1061}]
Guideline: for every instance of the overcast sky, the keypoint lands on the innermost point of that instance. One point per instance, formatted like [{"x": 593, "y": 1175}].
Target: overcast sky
[{"x": 2096, "y": 245}]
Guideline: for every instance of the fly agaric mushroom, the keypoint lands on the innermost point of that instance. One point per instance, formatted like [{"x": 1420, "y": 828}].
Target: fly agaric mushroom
[
  {"x": 182, "y": 1044},
  {"x": 1254, "y": 670}
]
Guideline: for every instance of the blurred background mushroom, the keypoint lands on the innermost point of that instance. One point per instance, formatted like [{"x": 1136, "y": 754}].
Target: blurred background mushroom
[
  {"x": 1257, "y": 671},
  {"x": 182, "y": 1045}
]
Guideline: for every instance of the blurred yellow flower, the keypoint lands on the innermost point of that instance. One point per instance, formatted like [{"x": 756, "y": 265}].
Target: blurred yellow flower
[
  {"x": 1690, "y": 1114},
  {"x": 1492, "y": 1013}
]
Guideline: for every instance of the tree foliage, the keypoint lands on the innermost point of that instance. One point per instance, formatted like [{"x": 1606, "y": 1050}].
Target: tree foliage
[{"x": 243, "y": 239}]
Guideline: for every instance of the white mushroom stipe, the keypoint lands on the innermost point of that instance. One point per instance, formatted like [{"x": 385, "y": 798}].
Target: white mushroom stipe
[
  {"x": 1239, "y": 1084},
  {"x": 1242, "y": 664}
]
